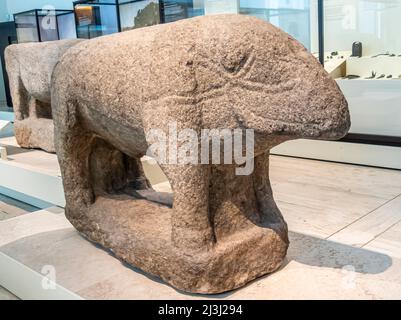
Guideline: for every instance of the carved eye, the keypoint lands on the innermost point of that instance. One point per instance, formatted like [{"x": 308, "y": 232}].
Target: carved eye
[{"x": 235, "y": 62}]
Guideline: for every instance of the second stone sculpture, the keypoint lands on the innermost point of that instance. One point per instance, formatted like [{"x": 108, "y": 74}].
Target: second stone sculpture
[{"x": 30, "y": 67}]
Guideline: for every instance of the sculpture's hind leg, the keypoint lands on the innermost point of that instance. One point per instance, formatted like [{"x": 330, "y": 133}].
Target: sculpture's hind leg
[
  {"x": 73, "y": 148},
  {"x": 18, "y": 92}
]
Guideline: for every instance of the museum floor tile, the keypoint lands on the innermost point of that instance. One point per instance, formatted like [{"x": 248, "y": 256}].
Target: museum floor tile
[
  {"x": 10, "y": 208},
  {"x": 345, "y": 232}
]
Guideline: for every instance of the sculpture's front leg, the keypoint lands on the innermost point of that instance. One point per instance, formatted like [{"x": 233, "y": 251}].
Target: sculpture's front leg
[{"x": 190, "y": 219}]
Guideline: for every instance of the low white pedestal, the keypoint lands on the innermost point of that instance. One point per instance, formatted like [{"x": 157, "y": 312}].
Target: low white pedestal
[{"x": 43, "y": 245}]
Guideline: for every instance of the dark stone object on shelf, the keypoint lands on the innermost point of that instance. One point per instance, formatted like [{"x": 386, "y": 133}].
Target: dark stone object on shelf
[
  {"x": 389, "y": 76},
  {"x": 335, "y": 53},
  {"x": 381, "y": 76},
  {"x": 357, "y": 49},
  {"x": 351, "y": 77},
  {"x": 372, "y": 76},
  {"x": 388, "y": 54}
]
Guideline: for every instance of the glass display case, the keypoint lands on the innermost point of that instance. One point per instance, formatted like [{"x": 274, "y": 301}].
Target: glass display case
[
  {"x": 101, "y": 17},
  {"x": 294, "y": 17},
  {"x": 39, "y": 25},
  {"x": 363, "y": 53},
  {"x": 172, "y": 10},
  {"x": 297, "y": 17},
  {"x": 96, "y": 18}
]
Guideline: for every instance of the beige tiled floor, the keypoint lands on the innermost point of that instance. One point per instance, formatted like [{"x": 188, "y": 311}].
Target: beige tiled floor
[
  {"x": 10, "y": 208},
  {"x": 345, "y": 224}
]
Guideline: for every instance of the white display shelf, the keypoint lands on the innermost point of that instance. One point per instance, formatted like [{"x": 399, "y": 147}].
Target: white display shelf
[
  {"x": 4, "y": 124},
  {"x": 375, "y": 106},
  {"x": 364, "y": 67},
  {"x": 351, "y": 153},
  {"x": 31, "y": 176},
  {"x": 25, "y": 281},
  {"x": 337, "y": 65}
]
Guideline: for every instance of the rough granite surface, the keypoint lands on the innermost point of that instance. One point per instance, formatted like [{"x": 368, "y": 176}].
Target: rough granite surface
[
  {"x": 30, "y": 67},
  {"x": 220, "y": 230}
]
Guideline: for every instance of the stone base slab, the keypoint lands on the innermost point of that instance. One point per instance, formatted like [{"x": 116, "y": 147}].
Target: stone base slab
[
  {"x": 140, "y": 233},
  {"x": 35, "y": 134}
]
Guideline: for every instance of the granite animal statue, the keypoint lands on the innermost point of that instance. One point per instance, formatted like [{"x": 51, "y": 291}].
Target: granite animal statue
[
  {"x": 221, "y": 230},
  {"x": 29, "y": 67}
]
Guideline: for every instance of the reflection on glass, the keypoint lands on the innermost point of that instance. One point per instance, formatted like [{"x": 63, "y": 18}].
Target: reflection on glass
[
  {"x": 95, "y": 20},
  {"x": 139, "y": 14},
  {"x": 181, "y": 9}
]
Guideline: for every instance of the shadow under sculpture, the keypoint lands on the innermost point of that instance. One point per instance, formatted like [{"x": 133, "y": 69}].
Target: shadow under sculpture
[
  {"x": 30, "y": 67},
  {"x": 222, "y": 71}
]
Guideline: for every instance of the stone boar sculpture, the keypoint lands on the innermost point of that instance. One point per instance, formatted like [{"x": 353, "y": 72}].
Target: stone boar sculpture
[
  {"x": 235, "y": 72},
  {"x": 29, "y": 67}
]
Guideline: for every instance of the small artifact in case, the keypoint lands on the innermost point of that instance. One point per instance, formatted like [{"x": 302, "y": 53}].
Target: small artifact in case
[{"x": 357, "y": 49}]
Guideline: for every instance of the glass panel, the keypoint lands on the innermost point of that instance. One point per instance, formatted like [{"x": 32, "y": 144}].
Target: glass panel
[
  {"x": 221, "y": 6},
  {"x": 26, "y": 27},
  {"x": 294, "y": 17},
  {"x": 48, "y": 26},
  {"x": 182, "y": 9},
  {"x": 100, "y": 1},
  {"x": 297, "y": 17},
  {"x": 363, "y": 52},
  {"x": 95, "y": 20},
  {"x": 66, "y": 26},
  {"x": 139, "y": 14}
]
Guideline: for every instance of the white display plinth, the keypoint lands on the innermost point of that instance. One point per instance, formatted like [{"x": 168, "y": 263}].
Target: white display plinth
[
  {"x": 352, "y": 153},
  {"x": 31, "y": 176},
  {"x": 43, "y": 246},
  {"x": 4, "y": 124},
  {"x": 364, "y": 66}
]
